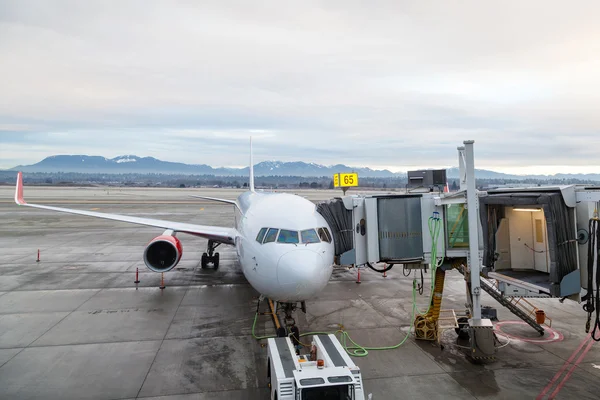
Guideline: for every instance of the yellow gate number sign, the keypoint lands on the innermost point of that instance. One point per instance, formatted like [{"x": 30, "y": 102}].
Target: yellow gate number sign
[{"x": 345, "y": 179}]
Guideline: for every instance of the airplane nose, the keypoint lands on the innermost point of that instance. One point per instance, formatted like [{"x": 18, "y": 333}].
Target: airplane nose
[{"x": 303, "y": 273}]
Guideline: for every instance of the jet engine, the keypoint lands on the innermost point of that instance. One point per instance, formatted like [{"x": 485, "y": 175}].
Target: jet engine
[{"x": 163, "y": 253}]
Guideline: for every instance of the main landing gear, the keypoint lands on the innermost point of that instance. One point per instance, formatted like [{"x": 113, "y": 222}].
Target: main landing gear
[
  {"x": 211, "y": 257},
  {"x": 290, "y": 329}
]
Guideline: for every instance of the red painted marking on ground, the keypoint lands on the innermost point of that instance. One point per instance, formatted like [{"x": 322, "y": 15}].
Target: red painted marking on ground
[
  {"x": 553, "y": 336},
  {"x": 562, "y": 369},
  {"x": 566, "y": 378}
]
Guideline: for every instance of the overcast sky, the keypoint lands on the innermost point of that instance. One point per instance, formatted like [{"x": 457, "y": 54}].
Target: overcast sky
[{"x": 396, "y": 84}]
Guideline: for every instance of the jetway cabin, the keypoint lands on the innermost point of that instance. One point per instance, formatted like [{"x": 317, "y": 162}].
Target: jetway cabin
[
  {"x": 530, "y": 240},
  {"x": 536, "y": 239}
]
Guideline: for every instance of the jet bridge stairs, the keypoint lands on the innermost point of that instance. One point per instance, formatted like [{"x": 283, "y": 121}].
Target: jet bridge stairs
[{"x": 516, "y": 305}]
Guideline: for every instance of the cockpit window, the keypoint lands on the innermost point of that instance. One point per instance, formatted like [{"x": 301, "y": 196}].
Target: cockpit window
[
  {"x": 271, "y": 235},
  {"x": 286, "y": 236},
  {"x": 309, "y": 236},
  {"x": 261, "y": 235},
  {"x": 325, "y": 235}
]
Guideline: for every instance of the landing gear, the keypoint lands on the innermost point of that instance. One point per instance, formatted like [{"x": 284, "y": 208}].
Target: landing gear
[
  {"x": 295, "y": 335},
  {"x": 210, "y": 256},
  {"x": 290, "y": 323}
]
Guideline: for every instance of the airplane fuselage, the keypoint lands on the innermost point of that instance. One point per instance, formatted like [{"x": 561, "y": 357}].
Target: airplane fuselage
[{"x": 285, "y": 268}]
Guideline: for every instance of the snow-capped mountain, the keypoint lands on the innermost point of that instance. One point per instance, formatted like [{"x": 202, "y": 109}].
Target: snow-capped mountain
[{"x": 135, "y": 164}]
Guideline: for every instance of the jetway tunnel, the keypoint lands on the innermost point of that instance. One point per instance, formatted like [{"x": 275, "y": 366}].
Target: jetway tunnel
[{"x": 387, "y": 228}]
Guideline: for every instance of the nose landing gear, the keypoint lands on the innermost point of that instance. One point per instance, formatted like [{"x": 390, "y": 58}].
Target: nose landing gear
[
  {"x": 290, "y": 328},
  {"x": 211, "y": 257}
]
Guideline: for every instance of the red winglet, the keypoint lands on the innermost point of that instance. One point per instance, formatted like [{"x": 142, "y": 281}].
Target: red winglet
[{"x": 19, "y": 190}]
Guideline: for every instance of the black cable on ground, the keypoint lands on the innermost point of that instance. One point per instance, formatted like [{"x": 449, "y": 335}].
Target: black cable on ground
[{"x": 381, "y": 271}]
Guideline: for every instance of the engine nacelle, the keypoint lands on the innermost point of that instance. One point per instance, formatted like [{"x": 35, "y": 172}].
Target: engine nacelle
[{"x": 163, "y": 253}]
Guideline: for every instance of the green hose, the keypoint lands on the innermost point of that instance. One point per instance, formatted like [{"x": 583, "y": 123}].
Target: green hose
[
  {"x": 435, "y": 227},
  {"x": 355, "y": 350},
  {"x": 363, "y": 351},
  {"x": 254, "y": 325}
]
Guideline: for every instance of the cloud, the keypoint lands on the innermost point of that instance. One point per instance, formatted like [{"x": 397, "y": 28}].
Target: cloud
[{"x": 390, "y": 83}]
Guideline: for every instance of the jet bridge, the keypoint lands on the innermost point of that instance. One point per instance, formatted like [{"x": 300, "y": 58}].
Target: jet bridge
[{"x": 532, "y": 241}]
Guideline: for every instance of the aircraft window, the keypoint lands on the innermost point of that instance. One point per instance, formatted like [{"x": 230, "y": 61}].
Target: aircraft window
[
  {"x": 309, "y": 236},
  {"x": 325, "y": 235},
  {"x": 271, "y": 235},
  {"x": 286, "y": 236},
  {"x": 261, "y": 235}
]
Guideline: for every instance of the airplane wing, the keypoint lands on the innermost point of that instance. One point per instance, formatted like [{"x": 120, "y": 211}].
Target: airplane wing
[
  {"x": 233, "y": 202},
  {"x": 216, "y": 233}
]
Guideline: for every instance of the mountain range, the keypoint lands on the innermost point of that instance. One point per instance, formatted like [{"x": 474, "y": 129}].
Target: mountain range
[{"x": 135, "y": 164}]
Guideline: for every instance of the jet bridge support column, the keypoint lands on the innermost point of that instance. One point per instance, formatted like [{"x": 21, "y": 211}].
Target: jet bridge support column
[
  {"x": 474, "y": 260},
  {"x": 481, "y": 330},
  {"x": 462, "y": 173}
]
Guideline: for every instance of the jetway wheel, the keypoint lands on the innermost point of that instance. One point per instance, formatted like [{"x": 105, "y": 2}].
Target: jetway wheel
[{"x": 463, "y": 328}]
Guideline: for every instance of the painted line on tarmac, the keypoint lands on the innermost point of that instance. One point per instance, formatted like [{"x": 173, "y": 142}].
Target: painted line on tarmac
[
  {"x": 558, "y": 374},
  {"x": 568, "y": 376}
]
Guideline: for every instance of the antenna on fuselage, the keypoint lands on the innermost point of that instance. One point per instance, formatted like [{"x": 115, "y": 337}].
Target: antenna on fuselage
[{"x": 251, "y": 168}]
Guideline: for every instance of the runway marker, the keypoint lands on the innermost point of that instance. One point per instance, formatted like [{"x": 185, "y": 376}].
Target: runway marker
[{"x": 137, "y": 277}]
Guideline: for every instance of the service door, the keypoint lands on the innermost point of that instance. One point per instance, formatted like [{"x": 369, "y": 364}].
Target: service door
[
  {"x": 540, "y": 242},
  {"x": 503, "y": 245}
]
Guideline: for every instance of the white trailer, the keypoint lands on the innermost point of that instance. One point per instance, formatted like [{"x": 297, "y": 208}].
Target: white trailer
[{"x": 326, "y": 373}]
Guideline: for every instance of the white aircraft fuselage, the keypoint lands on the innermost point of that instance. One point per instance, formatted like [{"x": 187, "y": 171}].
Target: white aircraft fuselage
[{"x": 284, "y": 272}]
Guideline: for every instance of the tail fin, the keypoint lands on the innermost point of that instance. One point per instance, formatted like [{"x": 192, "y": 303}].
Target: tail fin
[
  {"x": 19, "y": 190},
  {"x": 251, "y": 168}
]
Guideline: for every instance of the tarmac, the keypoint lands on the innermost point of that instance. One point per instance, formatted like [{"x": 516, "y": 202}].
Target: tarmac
[{"x": 75, "y": 325}]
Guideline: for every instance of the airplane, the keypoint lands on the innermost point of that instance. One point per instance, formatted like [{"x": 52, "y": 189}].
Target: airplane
[{"x": 283, "y": 245}]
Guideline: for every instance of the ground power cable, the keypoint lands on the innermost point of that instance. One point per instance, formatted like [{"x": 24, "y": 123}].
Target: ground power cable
[
  {"x": 592, "y": 297},
  {"x": 354, "y": 349}
]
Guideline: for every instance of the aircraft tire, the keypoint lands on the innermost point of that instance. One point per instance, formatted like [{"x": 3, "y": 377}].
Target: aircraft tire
[
  {"x": 295, "y": 335},
  {"x": 215, "y": 260},
  {"x": 204, "y": 260},
  {"x": 281, "y": 332}
]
